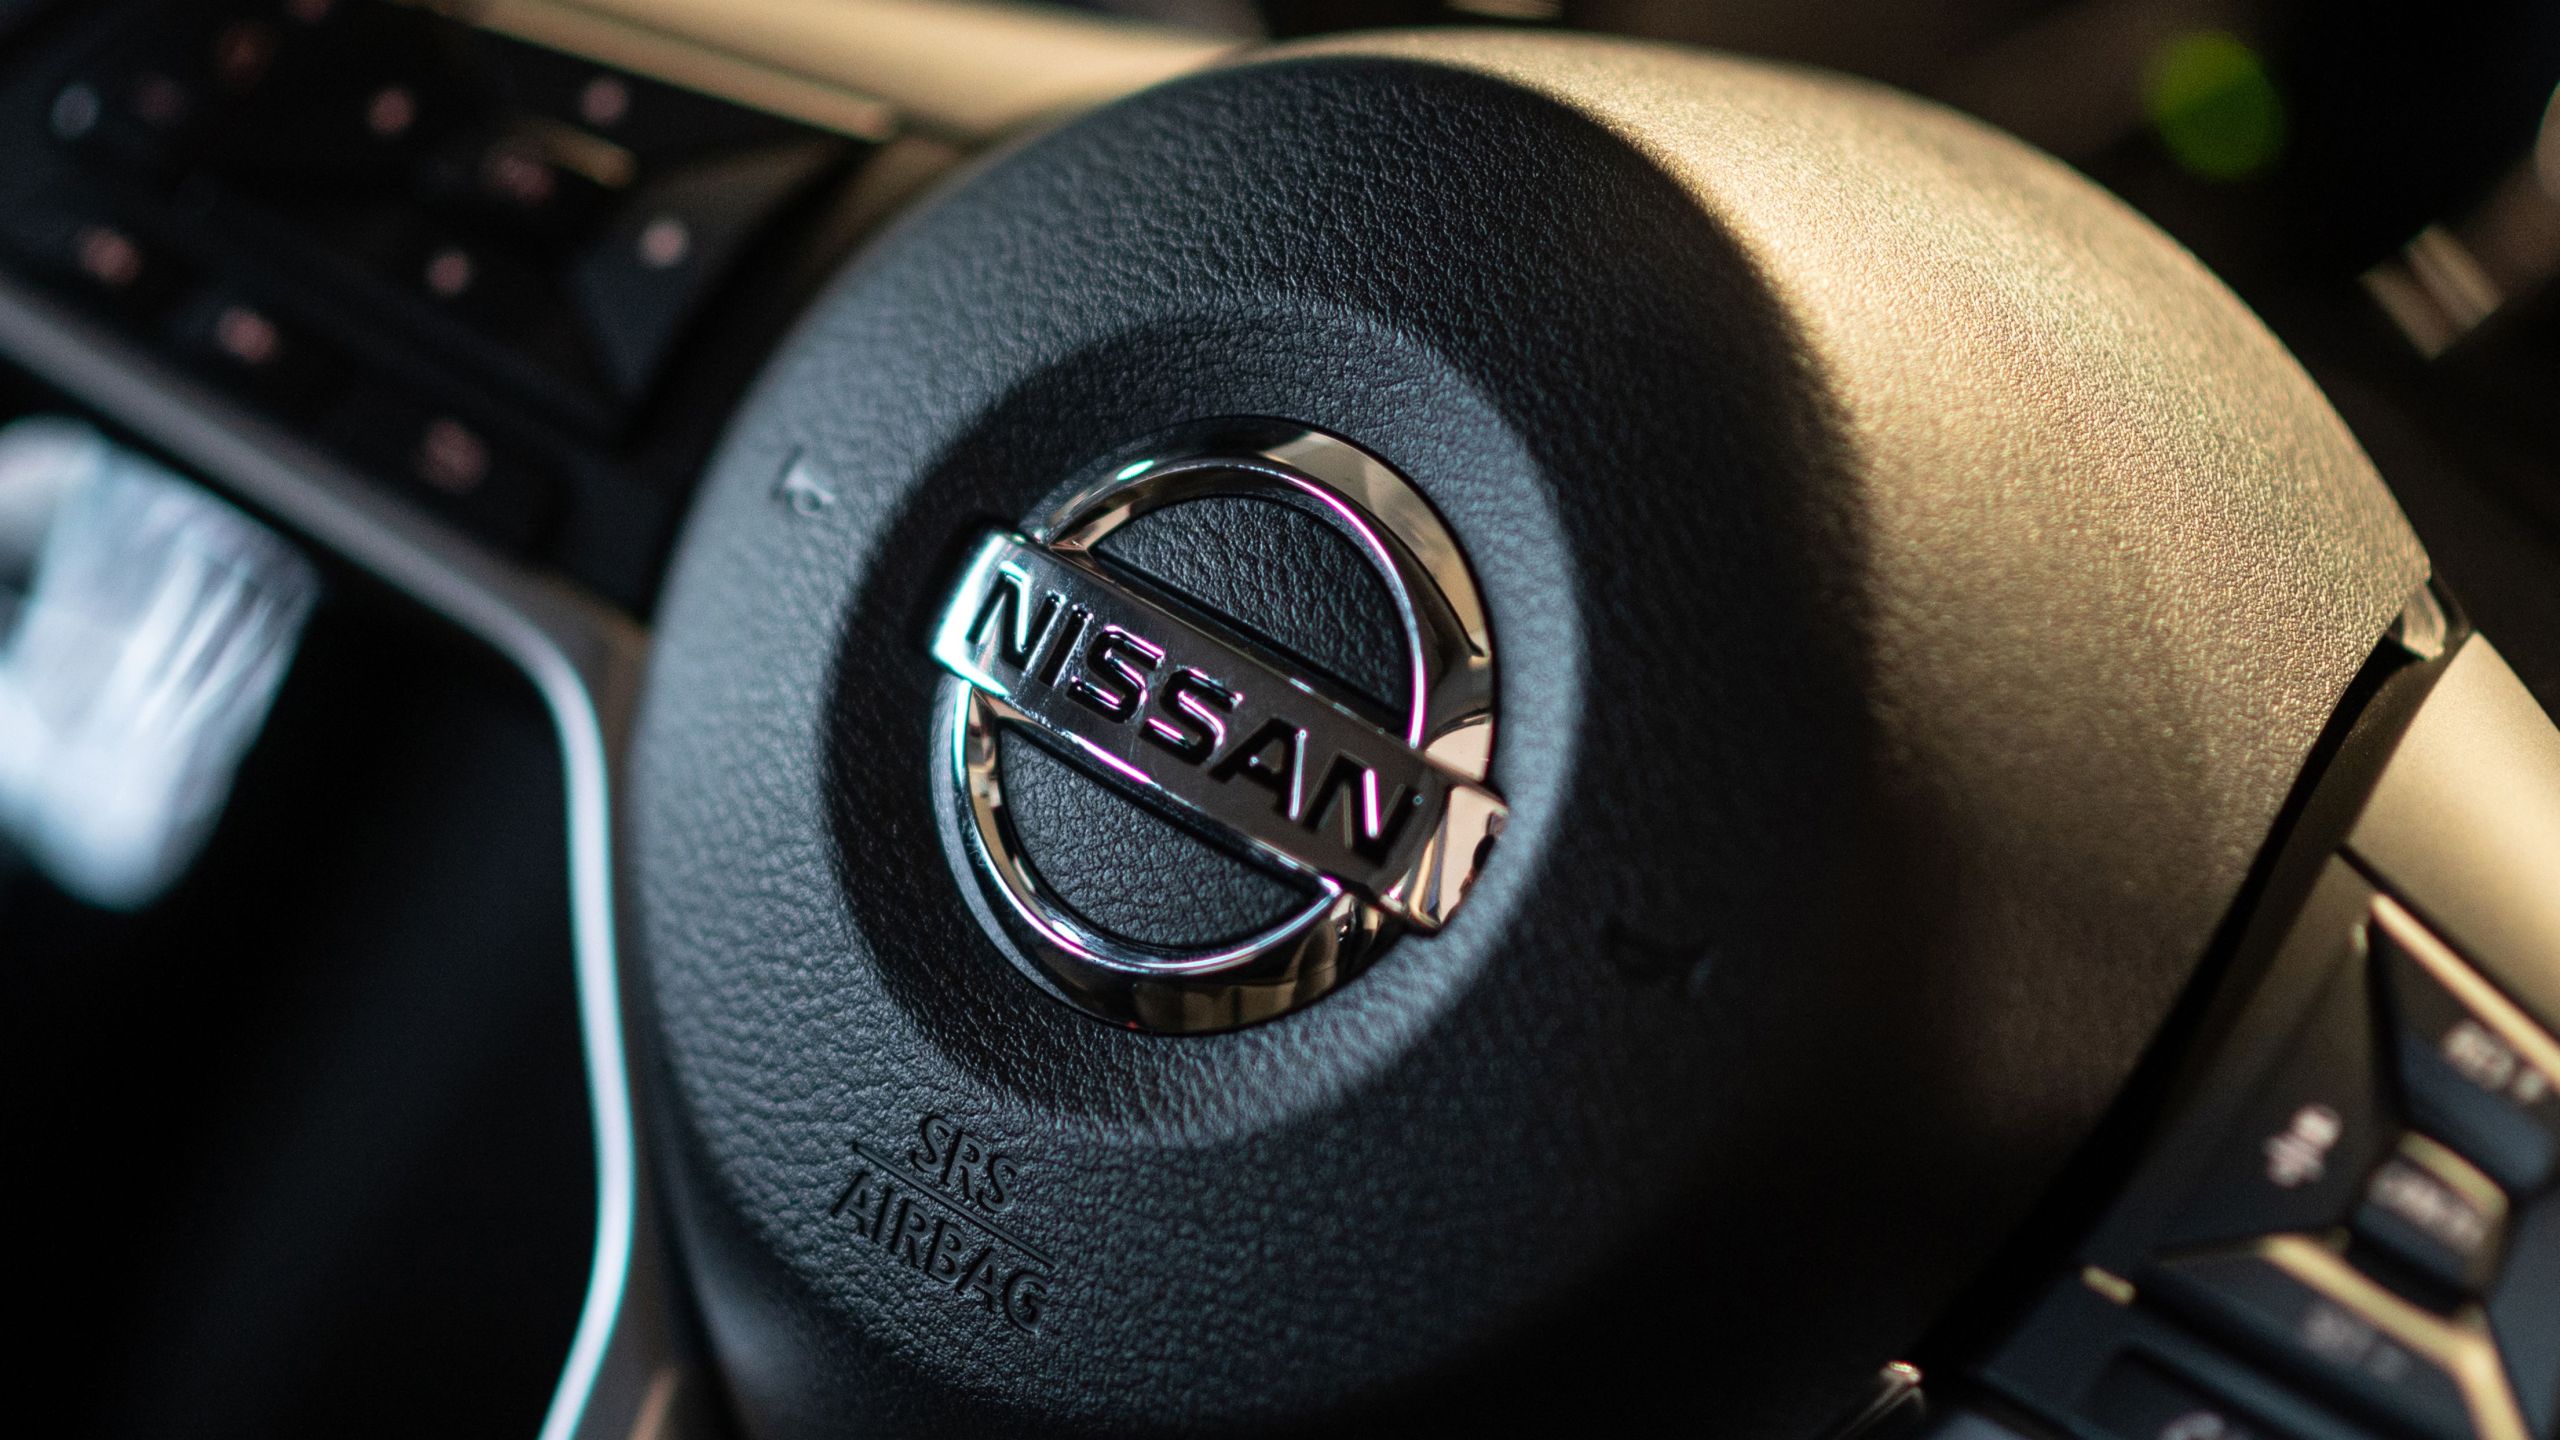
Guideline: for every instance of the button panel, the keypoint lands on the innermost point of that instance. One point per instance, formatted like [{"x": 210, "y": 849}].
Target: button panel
[
  {"x": 2475, "y": 1070},
  {"x": 2524, "y": 1314},
  {"x": 2303, "y": 1306},
  {"x": 317, "y": 205},
  {"x": 2298, "y": 1158},
  {"x": 2368, "y": 1213},
  {"x": 2139, "y": 1399},
  {"x": 2433, "y": 1212}
]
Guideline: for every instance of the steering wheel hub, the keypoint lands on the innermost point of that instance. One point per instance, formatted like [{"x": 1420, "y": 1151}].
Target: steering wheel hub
[{"x": 1906, "y": 645}]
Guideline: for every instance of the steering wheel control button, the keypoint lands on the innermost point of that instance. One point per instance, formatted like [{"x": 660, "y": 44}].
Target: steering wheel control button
[
  {"x": 448, "y": 463},
  {"x": 650, "y": 120},
  {"x": 2524, "y": 1314},
  {"x": 545, "y": 186},
  {"x": 2433, "y": 1212},
  {"x": 101, "y": 259},
  {"x": 1379, "y": 820},
  {"x": 246, "y": 344},
  {"x": 653, "y": 264},
  {"x": 2300, "y": 1304},
  {"x": 2298, "y": 1159},
  {"x": 2137, "y": 1399},
  {"x": 2477, "y": 1072}
]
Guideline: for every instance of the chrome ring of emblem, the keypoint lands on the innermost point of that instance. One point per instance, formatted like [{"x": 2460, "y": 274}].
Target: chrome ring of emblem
[{"x": 1446, "y": 718}]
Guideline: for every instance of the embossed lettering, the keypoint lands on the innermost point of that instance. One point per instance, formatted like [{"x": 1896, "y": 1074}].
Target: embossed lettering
[
  {"x": 860, "y": 1193},
  {"x": 1071, "y": 635},
  {"x": 1020, "y": 630},
  {"x": 1367, "y": 827},
  {"x": 933, "y": 1135},
  {"x": 1114, "y": 682},
  {"x": 1269, "y": 757},
  {"x": 1025, "y": 1295},
  {"x": 913, "y": 1223},
  {"x": 984, "y": 1280},
  {"x": 935, "y": 1216},
  {"x": 1198, "y": 707},
  {"x": 1139, "y": 692},
  {"x": 961, "y": 1164},
  {"x": 942, "y": 1258}
]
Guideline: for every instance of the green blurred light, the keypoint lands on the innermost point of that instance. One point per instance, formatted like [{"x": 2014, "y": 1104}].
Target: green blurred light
[{"x": 2209, "y": 96}]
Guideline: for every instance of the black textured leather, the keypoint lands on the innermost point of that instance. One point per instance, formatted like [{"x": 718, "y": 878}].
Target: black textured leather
[
  {"x": 1128, "y": 872},
  {"x": 1916, "y": 583}
]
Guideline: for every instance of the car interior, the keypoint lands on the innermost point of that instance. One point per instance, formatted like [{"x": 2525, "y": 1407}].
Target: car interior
[{"x": 1788, "y": 719}]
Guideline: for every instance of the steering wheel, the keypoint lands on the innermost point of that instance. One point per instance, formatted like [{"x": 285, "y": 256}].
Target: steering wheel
[
  {"x": 1471, "y": 728},
  {"x": 1456, "y": 730}
]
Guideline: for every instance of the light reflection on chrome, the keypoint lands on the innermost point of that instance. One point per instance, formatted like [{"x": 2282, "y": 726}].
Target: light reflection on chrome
[{"x": 1387, "y": 824}]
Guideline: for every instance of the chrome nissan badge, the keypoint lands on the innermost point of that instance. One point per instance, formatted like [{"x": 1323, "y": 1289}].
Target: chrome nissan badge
[{"x": 1377, "y": 818}]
